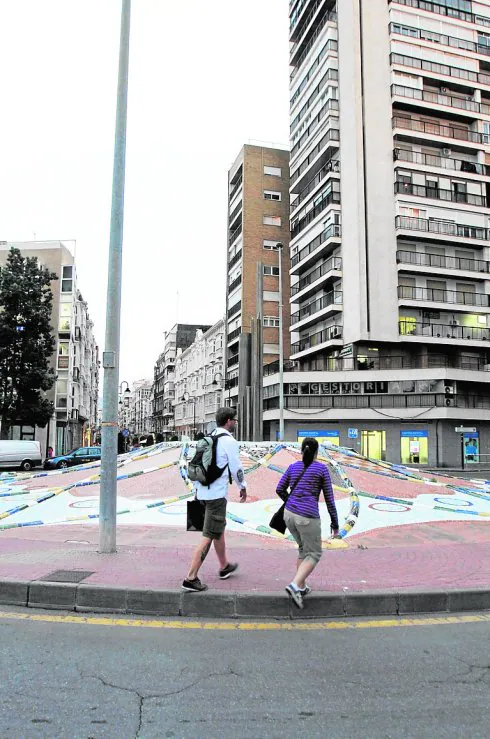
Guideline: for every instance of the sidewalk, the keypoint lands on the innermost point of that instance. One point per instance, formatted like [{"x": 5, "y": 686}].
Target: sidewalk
[{"x": 411, "y": 569}]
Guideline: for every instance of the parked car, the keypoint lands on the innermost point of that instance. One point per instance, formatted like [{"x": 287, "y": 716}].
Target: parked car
[
  {"x": 23, "y": 454},
  {"x": 81, "y": 455}
]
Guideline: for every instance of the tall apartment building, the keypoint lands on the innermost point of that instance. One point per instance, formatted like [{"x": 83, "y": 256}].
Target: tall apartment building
[
  {"x": 76, "y": 359},
  {"x": 180, "y": 336},
  {"x": 390, "y": 188},
  {"x": 199, "y": 382},
  {"x": 258, "y": 220},
  {"x": 140, "y": 408}
]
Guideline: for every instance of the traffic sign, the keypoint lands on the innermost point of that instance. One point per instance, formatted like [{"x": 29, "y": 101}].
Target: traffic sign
[
  {"x": 353, "y": 433},
  {"x": 465, "y": 430},
  {"x": 125, "y": 433}
]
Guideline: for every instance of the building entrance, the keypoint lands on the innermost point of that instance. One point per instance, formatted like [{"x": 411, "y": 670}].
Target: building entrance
[{"x": 373, "y": 444}]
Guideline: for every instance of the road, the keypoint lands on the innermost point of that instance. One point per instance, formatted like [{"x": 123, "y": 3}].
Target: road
[{"x": 81, "y": 679}]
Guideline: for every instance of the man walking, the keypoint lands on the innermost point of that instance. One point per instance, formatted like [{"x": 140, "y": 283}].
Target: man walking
[{"x": 214, "y": 500}]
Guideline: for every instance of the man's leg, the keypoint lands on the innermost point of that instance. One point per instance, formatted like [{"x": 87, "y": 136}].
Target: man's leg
[
  {"x": 200, "y": 554},
  {"x": 220, "y": 547}
]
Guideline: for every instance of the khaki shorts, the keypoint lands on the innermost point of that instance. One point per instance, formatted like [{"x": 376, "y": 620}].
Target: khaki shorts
[
  {"x": 214, "y": 518},
  {"x": 307, "y": 533}
]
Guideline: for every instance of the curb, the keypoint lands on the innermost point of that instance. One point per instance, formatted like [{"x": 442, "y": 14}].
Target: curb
[{"x": 86, "y": 598}]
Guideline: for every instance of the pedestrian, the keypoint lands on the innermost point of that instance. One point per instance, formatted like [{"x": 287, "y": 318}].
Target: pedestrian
[
  {"x": 49, "y": 452},
  {"x": 214, "y": 499},
  {"x": 306, "y": 479},
  {"x": 150, "y": 440}
]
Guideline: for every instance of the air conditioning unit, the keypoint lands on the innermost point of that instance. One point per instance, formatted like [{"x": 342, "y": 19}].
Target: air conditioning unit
[
  {"x": 448, "y": 390},
  {"x": 449, "y": 402},
  {"x": 444, "y": 90},
  {"x": 446, "y": 152},
  {"x": 454, "y": 323}
]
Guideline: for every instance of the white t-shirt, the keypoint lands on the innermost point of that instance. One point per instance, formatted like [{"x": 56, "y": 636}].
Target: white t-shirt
[{"x": 227, "y": 456}]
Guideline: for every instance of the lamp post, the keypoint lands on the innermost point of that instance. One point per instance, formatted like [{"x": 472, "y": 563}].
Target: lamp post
[
  {"x": 215, "y": 382},
  {"x": 186, "y": 398},
  {"x": 110, "y": 357},
  {"x": 279, "y": 248}
]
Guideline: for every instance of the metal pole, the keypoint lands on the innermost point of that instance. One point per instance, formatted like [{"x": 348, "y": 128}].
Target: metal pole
[
  {"x": 281, "y": 350},
  {"x": 110, "y": 359}
]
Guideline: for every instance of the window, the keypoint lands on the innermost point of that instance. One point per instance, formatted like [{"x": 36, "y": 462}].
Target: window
[
  {"x": 272, "y": 245},
  {"x": 270, "y": 321},
  {"x": 274, "y": 171},
  {"x": 65, "y": 317},
  {"x": 268, "y": 270},
  {"x": 272, "y": 221},
  {"x": 272, "y": 195},
  {"x": 67, "y": 280}
]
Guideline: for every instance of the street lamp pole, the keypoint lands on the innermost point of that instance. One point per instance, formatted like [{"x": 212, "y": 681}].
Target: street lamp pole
[
  {"x": 279, "y": 248},
  {"x": 110, "y": 359}
]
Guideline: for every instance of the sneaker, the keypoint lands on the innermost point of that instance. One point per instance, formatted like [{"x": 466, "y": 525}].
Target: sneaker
[
  {"x": 194, "y": 586},
  {"x": 306, "y": 591},
  {"x": 296, "y": 595},
  {"x": 225, "y": 573}
]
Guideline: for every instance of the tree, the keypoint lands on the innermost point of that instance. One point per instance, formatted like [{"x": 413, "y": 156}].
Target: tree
[{"x": 26, "y": 341}]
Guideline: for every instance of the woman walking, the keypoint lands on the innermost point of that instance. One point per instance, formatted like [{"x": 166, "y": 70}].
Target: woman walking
[{"x": 306, "y": 480}]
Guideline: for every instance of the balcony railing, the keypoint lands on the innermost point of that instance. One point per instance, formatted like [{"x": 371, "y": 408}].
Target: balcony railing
[
  {"x": 436, "y": 295},
  {"x": 331, "y": 298},
  {"x": 235, "y": 309},
  {"x": 235, "y": 234},
  {"x": 330, "y": 74},
  {"x": 442, "y": 262},
  {"x": 444, "y": 228},
  {"x": 309, "y": 342},
  {"x": 331, "y": 104},
  {"x": 232, "y": 360},
  {"x": 437, "y": 129},
  {"x": 334, "y": 263},
  {"x": 332, "y": 134},
  {"x": 389, "y": 362},
  {"x": 234, "y": 260},
  {"x": 436, "y": 193},
  {"x": 442, "y": 69},
  {"x": 234, "y": 284},
  {"x": 333, "y": 231},
  {"x": 435, "y": 7},
  {"x": 436, "y": 98},
  {"x": 443, "y": 39},
  {"x": 328, "y": 17},
  {"x": 345, "y": 402},
  {"x": 296, "y": 27},
  {"x": 431, "y": 160},
  {"x": 299, "y": 224},
  {"x": 316, "y": 91},
  {"x": 235, "y": 187},
  {"x": 330, "y": 166},
  {"x": 234, "y": 334},
  {"x": 443, "y": 331}
]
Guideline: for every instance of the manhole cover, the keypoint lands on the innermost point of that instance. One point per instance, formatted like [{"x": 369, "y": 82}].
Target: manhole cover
[{"x": 66, "y": 576}]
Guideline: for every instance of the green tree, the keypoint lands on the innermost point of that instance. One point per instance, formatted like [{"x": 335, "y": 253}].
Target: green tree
[{"x": 26, "y": 341}]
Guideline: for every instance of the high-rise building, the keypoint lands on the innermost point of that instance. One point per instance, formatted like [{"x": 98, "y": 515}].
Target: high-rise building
[
  {"x": 76, "y": 358},
  {"x": 140, "y": 407},
  {"x": 258, "y": 220},
  {"x": 390, "y": 188}
]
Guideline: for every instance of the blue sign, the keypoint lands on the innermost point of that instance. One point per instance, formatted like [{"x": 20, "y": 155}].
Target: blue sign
[
  {"x": 414, "y": 434},
  {"x": 353, "y": 433},
  {"x": 125, "y": 433},
  {"x": 320, "y": 433}
]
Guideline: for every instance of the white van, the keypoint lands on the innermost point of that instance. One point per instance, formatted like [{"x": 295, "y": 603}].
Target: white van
[{"x": 23, "y": 454}]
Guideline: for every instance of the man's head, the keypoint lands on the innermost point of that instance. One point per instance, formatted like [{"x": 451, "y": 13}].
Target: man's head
[{"x": 226, "y": 418}]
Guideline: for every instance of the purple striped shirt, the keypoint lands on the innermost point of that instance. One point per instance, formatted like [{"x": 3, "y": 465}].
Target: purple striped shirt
[{"x": 304, "y": 498}]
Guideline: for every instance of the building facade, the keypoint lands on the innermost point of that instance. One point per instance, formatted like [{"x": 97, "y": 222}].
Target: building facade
[
  {"x": 180, "y": 337},
  {"x": 76, "y": 359},
  {"x": 199, "y": 382},
  {"x": 140, "y": 408},
  {"x": 258, "y": 220},
  {"x": 390, "y": 188}
]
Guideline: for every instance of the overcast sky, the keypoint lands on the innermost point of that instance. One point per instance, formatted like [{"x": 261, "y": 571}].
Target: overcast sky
[{"x": 205, "y": 77}]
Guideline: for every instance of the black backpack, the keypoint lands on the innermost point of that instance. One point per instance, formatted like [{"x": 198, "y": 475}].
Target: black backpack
[{"x": 202, "y": 467}]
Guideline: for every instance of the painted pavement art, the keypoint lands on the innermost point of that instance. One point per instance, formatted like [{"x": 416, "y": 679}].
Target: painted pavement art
[{"x": 374, "y": 499}]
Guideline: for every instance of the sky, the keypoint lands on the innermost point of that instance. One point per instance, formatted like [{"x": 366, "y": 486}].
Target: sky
[{"x": 204, "y": 79}]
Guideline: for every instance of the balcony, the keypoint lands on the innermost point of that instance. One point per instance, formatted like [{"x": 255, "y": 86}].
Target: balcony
[
  {"x": 235, "y": 309},
  {"x": 234, "y": 284},
  {"x": 332, "y": 136},
  {"x": 232, "y": 360},
  {"x": 443, "y": 331},
  {"x": 299, "y": 224},
  {"x": 443, "y": 228},
  {"x": 234, "y": 260},
  {"x": 331, "y": 104},
  {"x": 299, "y": 22},
  {"x": 235, "y": 187},
  {"x": 300, "y": 50},
  {"x": 387, "y": 363},
  {"x": 235, "y": 234},
  {"x": 329, "y": 168},
  {"x": 318, "y": 88},
  {"x": 332, "y": 232},
  {"x": 432, "y": 160},
  {"x": 436, "y": 193},
  {"x": 443, "y": 130},
  {"x": 234, "y": 335},
  {"x": 442, "y": 39},
  {"x": 334, "y": 264},
  {"x": 442, "y": 262},
  {"x": 332, "y": 333},
  {"x": 435, "y": 7},
  {"x": 442, "y": 69},
  {"x": 309, "y": 311},
  {"x": 434, "y": 98},
  {"x": 348, "y": 402},
  {"x": 433, "y": 295}
]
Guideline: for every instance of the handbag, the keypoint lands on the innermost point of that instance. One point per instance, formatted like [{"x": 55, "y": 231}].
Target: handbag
[
  {"x": 195, "y": 515},
  {"x": 277, "y": 521}
]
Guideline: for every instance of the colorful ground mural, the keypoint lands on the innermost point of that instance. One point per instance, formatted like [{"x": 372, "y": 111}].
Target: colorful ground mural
[{"x": 372, "y": 497}]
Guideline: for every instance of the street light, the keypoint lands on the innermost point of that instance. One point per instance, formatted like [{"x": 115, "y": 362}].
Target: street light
[
  {"x": 186, "y": 398},
  {"x": 124, "y": 382},
  {"x": 215, "y": 382},
  {"x": 279, "y": 248}
]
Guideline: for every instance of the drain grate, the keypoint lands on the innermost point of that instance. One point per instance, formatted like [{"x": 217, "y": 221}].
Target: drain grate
[{"x": 66, "y": 576}]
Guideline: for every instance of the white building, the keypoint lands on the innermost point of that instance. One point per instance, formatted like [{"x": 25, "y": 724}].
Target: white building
[
  {"x": 140, "y": 407},
  {"x": 199, "y": 382},
  {"x": 390, "y": 188}
]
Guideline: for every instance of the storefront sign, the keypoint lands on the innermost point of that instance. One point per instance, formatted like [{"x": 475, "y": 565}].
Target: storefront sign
[
  {"x": 414, "y": 434},
  {"x": 324, "y": 434}
]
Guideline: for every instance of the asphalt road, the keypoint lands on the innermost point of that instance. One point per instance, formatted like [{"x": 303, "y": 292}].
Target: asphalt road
[{"x": 80, "y": 680}]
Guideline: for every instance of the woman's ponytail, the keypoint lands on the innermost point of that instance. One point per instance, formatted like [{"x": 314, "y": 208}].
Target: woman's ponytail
[{"x": 309, "y": 449}]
